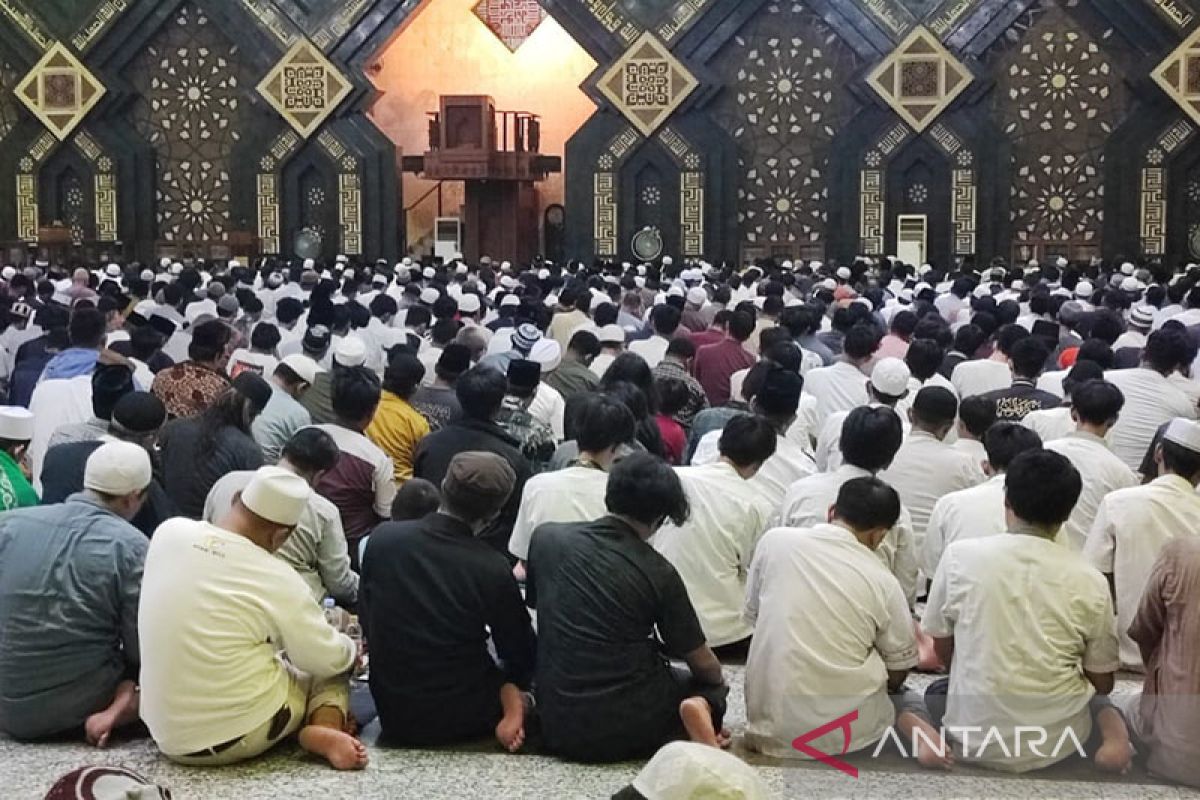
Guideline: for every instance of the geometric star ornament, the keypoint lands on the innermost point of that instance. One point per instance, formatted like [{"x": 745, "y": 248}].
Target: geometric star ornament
[
  {"x": 59, "y": 90},
  {"x": 1179, "y": 75},
  {"x": 920, "y": 78},
  {"x": 512, "y": 21},
  {"x": 647, "y": 83},
  {"x": 304, "y": 87}
]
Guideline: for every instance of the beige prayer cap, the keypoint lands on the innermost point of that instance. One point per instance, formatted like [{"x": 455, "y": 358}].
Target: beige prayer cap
[
  {"x": 16, "y": 424},
  {"x": 277, "y": 495},
  {"x": 691, "y": 770},
  {"x": 1184, "y": 433},
  {"x": 117, "y": 468}
]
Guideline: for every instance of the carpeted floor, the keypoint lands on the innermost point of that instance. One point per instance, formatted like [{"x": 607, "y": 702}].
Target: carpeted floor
[{"x": 482, "y": 771}]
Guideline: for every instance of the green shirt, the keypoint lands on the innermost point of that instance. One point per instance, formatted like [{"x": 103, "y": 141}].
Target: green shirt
[{"x": 15, "y": 489}]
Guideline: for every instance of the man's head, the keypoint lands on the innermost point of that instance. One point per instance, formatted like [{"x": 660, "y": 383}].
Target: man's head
[
  {"x": 117, "y": 474},
  {"x": 1005, "y": 441},
  {"x": 310, "y": 453},
  {"x": 87, "y": 329},
  {"x": 403, "y": 375},
  {"x": 647, "y": 492},
  {"x": 523, "y": 379},
  {"x": 452, "y": 363},
  {"x": 16, "y": 430},
  {"x": 1166, "y": 350},
  {"x": 296, "y": 373},
  {"x": 934, "y": 411},
  {"x": 601, "y": 426},
  {"x": 903, "y": 324},
  {"x": 110, "y": 382},
  {"x": 584, "y": 347},
  {"x": 924, "y": 358},
  {"x": 975, "y": 415},
  {"x": 210, "y": 343},
  {"x": 476, "y": 487},
  {"x": 1028, "y": 357},
  {"x": 316, "y": 341},
  {"x": 1178, "y": 452},
  {"x": 778, "y": 397},
  {"x": 269, "y": 508},
  {"x": 871, "y": 435},
  {"x": 416, "y": 499},
  {"x": 665, "y": 319},
  {"x": 889, "y": 381},
  {"x": 860, "y": 343},
  {"x": 253, "y": 393},
  {"x": 682, "y": 350},
  {"x": 1096, "y": 404},
  {"x": 868, "y": 508},
  {"x": 747, "y": 442},
  {"x": 480, "y": 392},
  {"x": 1041, "y": 488},
  {"x": 137, "y": 417},
  {"x": 741, "y": 325},
  {"x": 355, "y": 393},
  {"x": 264, "y": 338}
]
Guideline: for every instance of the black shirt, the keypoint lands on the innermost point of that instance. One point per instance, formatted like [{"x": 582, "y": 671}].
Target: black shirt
[
  {"x": 604, "y": 687},
  {"x": 189, "y": 471},
  {"x": 430, "y": 594},
  {"x": 1013, "y": 403}
]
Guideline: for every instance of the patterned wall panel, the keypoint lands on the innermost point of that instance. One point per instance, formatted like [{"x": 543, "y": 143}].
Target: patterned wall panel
[
  {"x": 190, "y": 82},
  {"x": 784, "y": 103},
  {"x": 1059, "y": 97},
  {"x": 9, "y": 109},
  {"x": 512, "y": 21}
]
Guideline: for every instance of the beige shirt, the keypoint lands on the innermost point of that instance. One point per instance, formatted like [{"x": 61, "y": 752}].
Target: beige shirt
[
  {"x": 966, "y": 514},
  {"x": 980, "y": 376},
  {"x": 925, "y": 470},
  {"x": 1150, "y": 401},
  {"x": 1102, "y": 473},
  {"x": 574, "y": 494},
  {"x": 839, "y": 387}
]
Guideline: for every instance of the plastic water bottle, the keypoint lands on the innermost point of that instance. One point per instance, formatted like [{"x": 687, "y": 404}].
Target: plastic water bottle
[{"x": 333, "y": 614}]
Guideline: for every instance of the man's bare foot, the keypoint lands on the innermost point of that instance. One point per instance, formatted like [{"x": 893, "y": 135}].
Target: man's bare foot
[
  {"x": 510, "y": 732},
  {"x": 339, "y": 748},
  {"x": 932, "y": 749},
  {"x": 1114, "y": 756},
  {"x": 724, "y": 738},
  {"x": 698, "y": 722},
  {"x": 927, "y": 657},
  {"x": 123, "y": 710}
]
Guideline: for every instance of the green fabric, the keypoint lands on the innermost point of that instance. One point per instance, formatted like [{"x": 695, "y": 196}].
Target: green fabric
[{"x": 15, "y": 489}]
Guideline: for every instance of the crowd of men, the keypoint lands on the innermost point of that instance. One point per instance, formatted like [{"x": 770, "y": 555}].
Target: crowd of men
[{"x": 558, "y": 497}]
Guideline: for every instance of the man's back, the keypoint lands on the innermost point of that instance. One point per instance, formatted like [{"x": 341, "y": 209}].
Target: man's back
[
  {"x": 573, "y": 494},
  {"x": 964, "y": 514},
  {"x": 1102, "y": 474},
  {"x": 924, "y": 470},
  {"x": 1150, "y": 401},
  {"x": 716, "y": 363},
  {"x": 1020, "y": 399},
  {"x": 980, "y": 376},
  {"x": 840, "y": 387}
]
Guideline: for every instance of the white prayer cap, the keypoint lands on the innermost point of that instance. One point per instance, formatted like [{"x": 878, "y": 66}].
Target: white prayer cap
[
  {"x": 117, "y": 468},
  {"x": 113, "y": 270},
  {"x": 349, "y": 273},
  {"x": 675, "y": 291},
  {"x": 1033, "y": 263},
  {"x": 406, "y": 261},
  {"x": 543, "y": 274},
  {"x": 8, "y": 273},
  {"x": 982, "y": 290},
  {"x": 16, "y": 423},
  {"x": 1061, "y": 262},
  {"x": 176, "y": 268},
  {"x": 639, "y": 282},
  {"x": 692, "y": 770},
  {"x": 505, "y": 266},
  {"x": 455, "y": 291},
  {"x": 341, "y": 259},
  {"x": 164, "y": 262},
  {"x": 667, "y": 261},
  {"x": 1131, "y": 285},
  {"x": 921, "y": 287},
  {"x": 234, "y": 263},
  {"x": 829, "y": 283},
  {"x": 924, "y": 269},
  {"x": 641, "y": 270},
  {"x": 815, "y": 265},
  {"x": 1084, "y": 289},
  {"x": 147, "y": 275},
  {"x": 890, "y": 376},
  {"x": 1127, "y": 268},
  {"x": 547, "y": 353},
  {"x": 510, "y": 300},
  {"x": 508, "y": 281},
  {"x": 844, "y": 273},
  {"x": 429, "y": 295},
  {"x": 381, "y": 280},
  {"x": 692, "y": 275},
  {"x": 277, "y": 495},
  {"x": 786, "y": 266},
  {"x": 400, "y": 267},
  {"x": 303, "y": 366},
  {"x": 697, "y": 296},
  {"x": 468, "y": 303},
  {"x": 1018, "y": 286},
  {"x": 1141, "y": 316},
  {"x": 350, "y": 352},
  {"x": 905, "y": 296},
  {"x": 310, "y": 263},
  {"x": 609, "y": 334},
  {"x": 1184, "y": 433},
  {"x": 428, "y": 273},
  {"x": 460, "y": 269}
]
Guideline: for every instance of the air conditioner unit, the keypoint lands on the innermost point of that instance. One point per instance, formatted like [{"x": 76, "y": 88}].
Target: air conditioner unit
[
  {"x": 447, "y": 237},
  {"x": 911, "y": 234}
]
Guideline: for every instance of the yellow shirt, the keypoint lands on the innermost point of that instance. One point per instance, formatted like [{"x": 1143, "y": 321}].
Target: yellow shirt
[{"x": 395, "y": 429}]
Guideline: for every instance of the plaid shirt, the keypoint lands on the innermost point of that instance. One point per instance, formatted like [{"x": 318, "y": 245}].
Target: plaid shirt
[{"x": 697, "y": 399}]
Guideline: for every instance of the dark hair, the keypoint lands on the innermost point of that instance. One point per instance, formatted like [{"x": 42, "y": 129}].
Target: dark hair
[
  {"x": 585, "y": 344},
  {"x": 209, "y": 340},
  {"x": 1096, "y": 351},
  {"x": 665, "y": 320},
  {"x": 741, "y": 325},
  {"x": 968, "y": 339},
  {"x": 1166, "y": 349},
  {"x": 1005, "y": 441},
  {"x": 311, "y": 450},
  {"x": 601, "y": 422},
  {"x": 681, "y": 347},
  {"x": 644, "y": 488},
  {"x": 673, "y": 395},
  {"x": 144, "y": 342},
  {"x": 923, "y": 358},
  {"x": 1028, "y": 357},
  {"x": 415, "y": 499},
  {"x": 265, "y": 336},
  {"x": 935, "y": 405},
  {"x": 110, "y": 382},
  {"x": 1042, "y": 487},
  {"x": 978, "y": 413},
  {"x": 443, "y": 331},
  {"x": 403, "y": 375},
  {"x": 861, "y": 341},
  {"x": 1008, "y": 336},
  {"x": 867, "y": 503},
  {"x": 417, "y": 315},
  {"x": 904, "y": 323},
  {"x": 87, "y": 327},
  {"x": 355, "y": 393},
  {"x": 383, "y": 305},
  {"x": 288, "y": 310},
  {"x": 480, "y": 391},
  {"x": 1179, "y": 459},
  {"x": 871, "y": 435},
  {"x": 632, "y": 368},
  {"x": 748, "y": 440},
  {"x": 779, "y": 395},
  {"x": 1096, "y": 402},
  {"x": 1106, "y": 326}
]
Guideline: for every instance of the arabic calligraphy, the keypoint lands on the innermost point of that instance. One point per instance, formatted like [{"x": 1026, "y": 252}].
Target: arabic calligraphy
[
  {"x": 26, "y": 22},
  {"x": 894, "y": 17},
  {"x": 1173, "y": 12},
  {"x": 946, "y": 19},
  {"x": 104, "y": 15}
]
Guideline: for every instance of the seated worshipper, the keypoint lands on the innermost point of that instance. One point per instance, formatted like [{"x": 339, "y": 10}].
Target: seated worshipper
[
  {"x": 437, "y": 602},
  {"x": 711, "y": 551},
  {"x": 397, "y": 427},
  {"x": 348, "y": 353},
  {"x": 677, "y": 364},
  {"x": 481, "y": 393},
  {"x": 1027, "y": 628},
  {"x": 605, "y": 689},
  {"x": 887, "y": 386},
  {"x": 612, "y": 344},
  {"x": 672, "y": 397},
  {"x": 1028, "y": 358},
  {"x": 716, "y": 363},
  {"x": 802, "y": 671},
  {"x": 218, "y": 611},
  {"x": 983, "y": 375},
  {"x": 1132, "y": 525},
  {"x": 362, "y": 483},
  {"x": 283, "y": 415},
  {"x": 664, "y": 320},
  {"x": 69, "y": 583},
  {"x": 870, "y": 438},
  {"x": 603, "y": 429},
  {"x": 29, "y": 360},
  {"x": 926, "y": 468},
  {"x": 191, "y": 387},
  {"x": 978, "y": 510},
  {"x": 975, "y": 415},
  {"x": 1150, "y": 398},
  {"x": 1055, "y": 423},
  {"x": 1095, "y": 407},
  {"x": 198, "y": 450},
  {"x": 414, "y": 500},
  {"x": 843, "y": 385},
  {"x": 137, "y": 418},
  {"x": 317, "y": 547},
  {"x": 534, "y": 438},
  {"x": 110, "y": 382},
  {"x": 523, "y": 339},
  {"x": 437, "y": 401},
  {"x": 574, "y": 374},
  {"x": 261, "y": 357},
  {"x": 1164, "y": 717},
  {"x": 16, "y": 430},
  {"x": 690, "y": 770}
]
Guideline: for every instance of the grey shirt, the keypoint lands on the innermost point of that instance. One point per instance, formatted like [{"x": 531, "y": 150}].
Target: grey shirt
[
  {"x": 281, "y": 418},
  {"x": 70, "y": 576}
]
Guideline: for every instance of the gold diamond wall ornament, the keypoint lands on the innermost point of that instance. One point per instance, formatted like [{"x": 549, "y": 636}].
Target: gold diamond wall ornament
[
  {"x": 304, "y": 87},
  {"x": 59, "y": 90},
  {"x": 1179, "y": 75},
  {"x": 647, "y": 84},
  {"x": 920, "y": 78}
]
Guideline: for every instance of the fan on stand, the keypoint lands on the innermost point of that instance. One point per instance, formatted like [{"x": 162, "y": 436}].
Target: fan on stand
[{"x": 647, "y": 244}]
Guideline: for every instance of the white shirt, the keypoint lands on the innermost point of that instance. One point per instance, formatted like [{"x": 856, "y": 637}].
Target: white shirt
[
  {"x": 973, "y": 448},
  {"x": 966, "y": 514},
  {"x": 713, "y": 549},
  {"x": 653, "y": 350},
  {"x": 1131, "y": 528},
  {"x": 1102, "y": 473},
  {"x": 923, "y": 471},
  {"x": 1130, "y": 338},
  {"x": 245, "y": 360},
  {"x": 805, "y": 428},
  {"x": 574, "y": 494},
  {"x": 1150, "y": 401},
  {"x": 789, "y": 464},
  {"x": 829, "y": 443},
  {"x": 215, "y": 611},
  {"x": 1050, "y": 423},
  {"x": 549, "y": 406},
  {"x": 56, "y": 402},
  {"x": 980, "y": 376},
  {"x": 807, "y": 504},
  {"x": 839, "y": 387},
  {"x": 1052, "y": 382},
  {"x": 829, "y": 622},
  {"x": 601, "y": 363},
  {"x": 1027, "y": 617}
]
